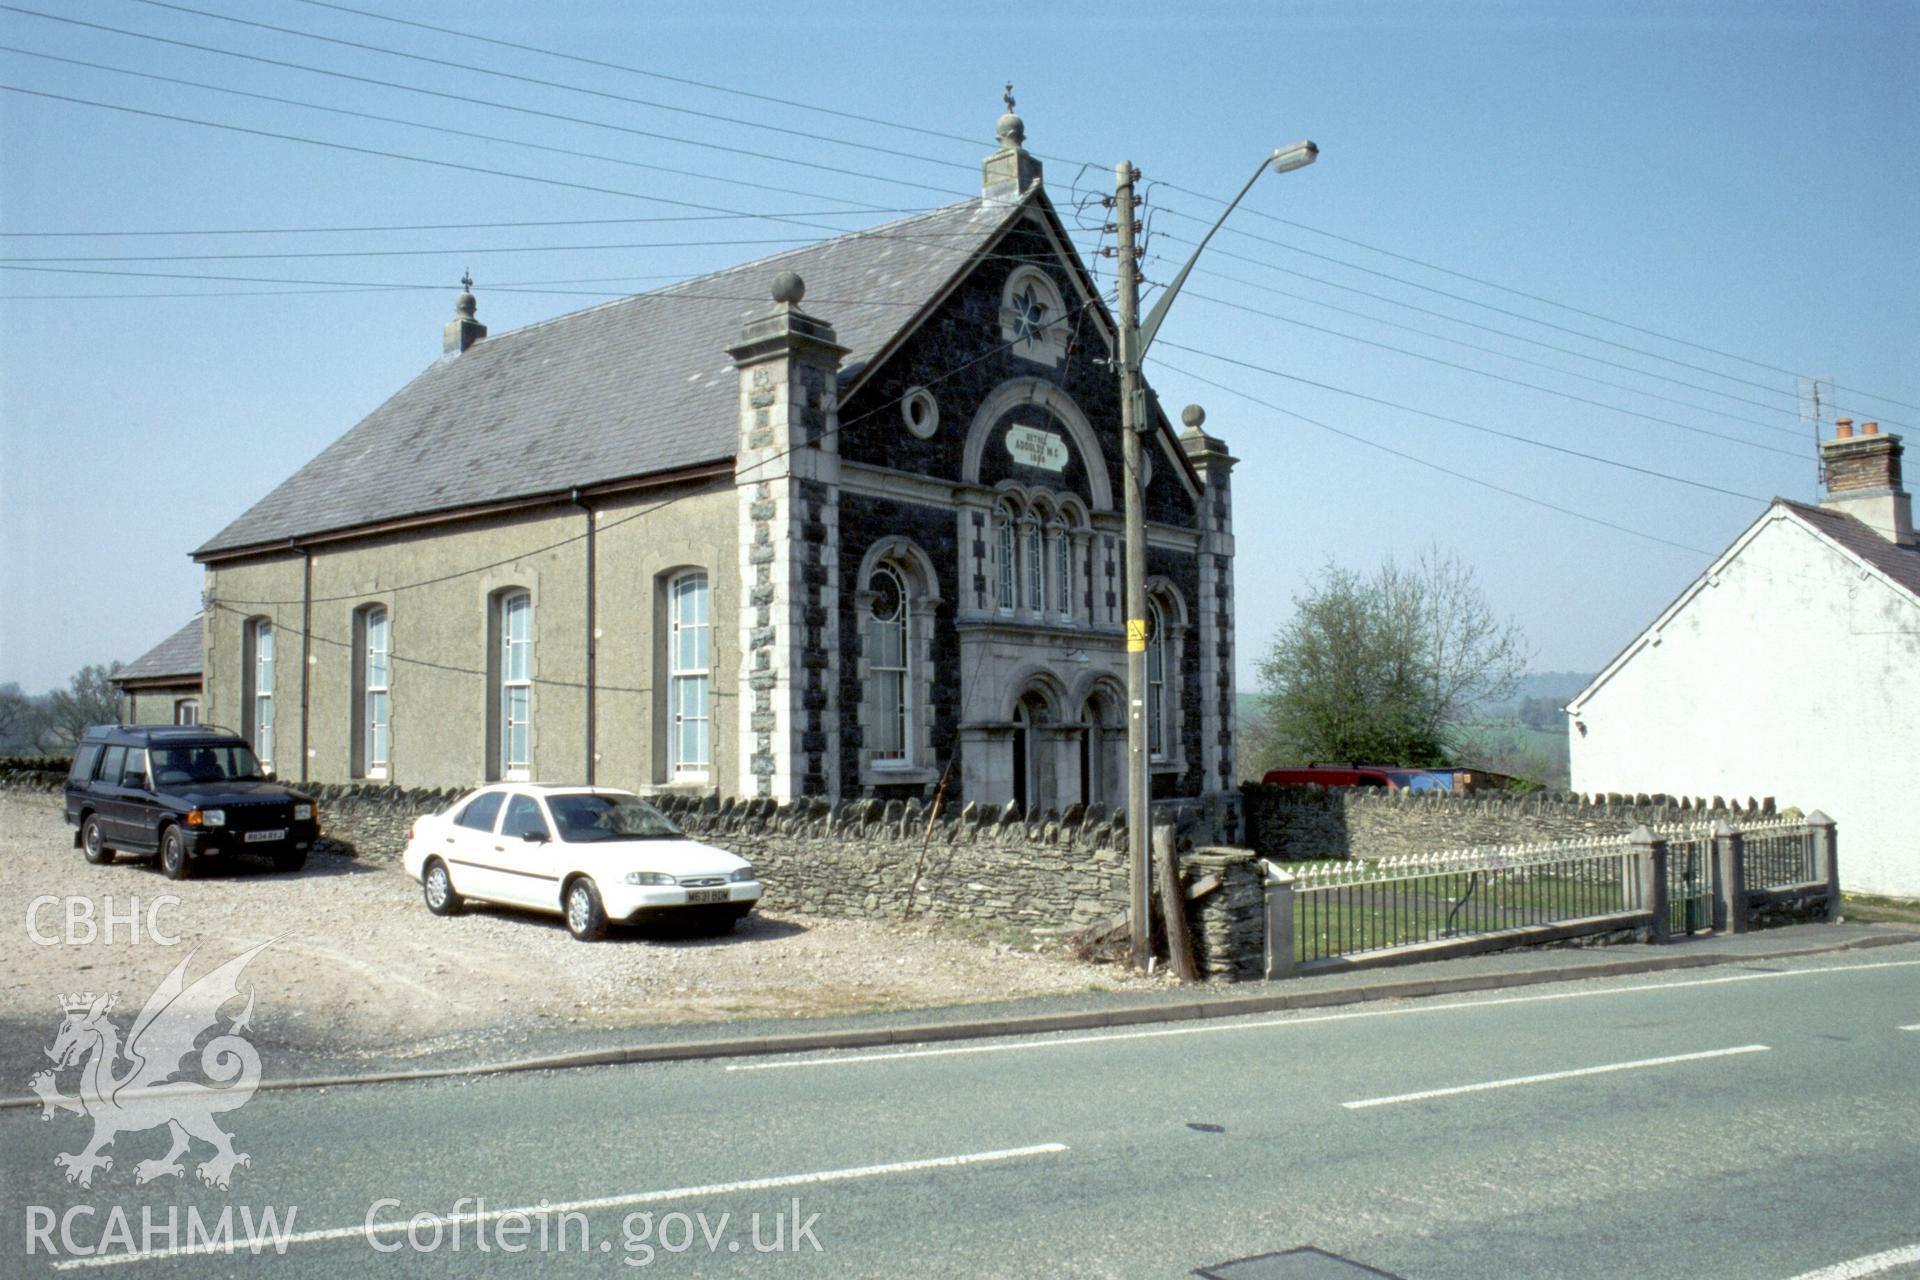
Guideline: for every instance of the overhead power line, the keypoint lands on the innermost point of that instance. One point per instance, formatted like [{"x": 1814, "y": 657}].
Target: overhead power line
[
  {"x": 1390, "y": 300},
  {"x": 1471, "y": 426},
  {"x": 436, "y": 128},
  {"x": 1368, "y": 442},
  {"x": 808, "y": 134},
  {"x": 1508, "y": 289},
  {"x": 642, "y": 71},
  {"x": 1497, "y": 377},
  {"x": 816, "y": 136},
  {"x": 1505, "y": 355},
  {"x": 387, "y": 155},
  {"x": 485, "y": 102},
  {"x": 363, "y": 228}
]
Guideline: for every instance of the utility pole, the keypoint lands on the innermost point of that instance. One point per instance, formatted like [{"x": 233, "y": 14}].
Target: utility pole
[{"x": 1134, "y": 421}]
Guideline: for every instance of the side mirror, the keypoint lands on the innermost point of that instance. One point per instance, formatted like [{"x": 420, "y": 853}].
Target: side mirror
[{"x": 535, "y": 837}]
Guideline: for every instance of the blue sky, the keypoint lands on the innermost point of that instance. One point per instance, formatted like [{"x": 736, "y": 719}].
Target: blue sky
[{"x": 1742, "y": 178}]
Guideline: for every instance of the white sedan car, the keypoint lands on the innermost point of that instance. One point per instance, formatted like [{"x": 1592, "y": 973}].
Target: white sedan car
[{"x": 590, "y": 854}]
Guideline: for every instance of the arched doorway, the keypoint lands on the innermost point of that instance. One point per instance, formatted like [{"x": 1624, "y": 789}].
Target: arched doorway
[
  {"x": 1030, "y": 779},
  {"x": 1099, "y": 720}
]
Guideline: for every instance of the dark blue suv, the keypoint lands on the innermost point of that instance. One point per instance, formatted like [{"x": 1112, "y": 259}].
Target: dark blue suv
[{"x": 183, "y": 792}]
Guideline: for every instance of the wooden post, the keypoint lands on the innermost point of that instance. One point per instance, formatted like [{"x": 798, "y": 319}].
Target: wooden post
[{"x": 1173, "y": 905}]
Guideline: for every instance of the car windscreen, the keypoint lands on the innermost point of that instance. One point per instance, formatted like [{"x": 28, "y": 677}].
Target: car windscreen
[
  {"x": 191, "y": 764},
  {"x": 585, "y": 818}
]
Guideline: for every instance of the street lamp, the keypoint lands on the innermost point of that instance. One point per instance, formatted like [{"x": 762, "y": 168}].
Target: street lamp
[{"x": 1135, "y": 338}]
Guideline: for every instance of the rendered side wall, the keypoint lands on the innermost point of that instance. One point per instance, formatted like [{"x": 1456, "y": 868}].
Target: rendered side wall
[
  {"x": 1792, "y": 675},
  {"x": 439, "y": 638}
]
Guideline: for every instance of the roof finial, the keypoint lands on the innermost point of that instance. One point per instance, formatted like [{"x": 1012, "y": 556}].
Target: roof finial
[
  {"x": 1007, "y": 97},
  {"x": 466, "y": 281}
]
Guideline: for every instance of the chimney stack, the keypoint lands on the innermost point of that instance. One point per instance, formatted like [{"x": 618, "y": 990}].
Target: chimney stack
[
  {"x": 1863, "y": 480},
  {"x": 463, "y": 330}
]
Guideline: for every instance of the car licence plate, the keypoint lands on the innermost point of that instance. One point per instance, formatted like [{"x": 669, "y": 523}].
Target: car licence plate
[
  {"x": 262, "y": 837},
  {"x": 706, "y": 895}
]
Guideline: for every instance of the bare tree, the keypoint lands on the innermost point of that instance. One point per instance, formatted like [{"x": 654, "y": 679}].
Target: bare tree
[
  {"x": 88, "y": 699},
  {"x": 19, "y": 720},
  {"x": 1385, "y": 669}
]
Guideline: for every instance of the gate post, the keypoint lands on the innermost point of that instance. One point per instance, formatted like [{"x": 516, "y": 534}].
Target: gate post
[
  {"x": 1279, "y": 889},
  {"x": 1730, "y": 903},
  {"x": 1826, "y": 859},
  {"x": 1649, "y": 854}
]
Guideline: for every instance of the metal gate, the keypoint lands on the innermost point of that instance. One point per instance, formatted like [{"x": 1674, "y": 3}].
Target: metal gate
[{"x": 1690, "y": 890}]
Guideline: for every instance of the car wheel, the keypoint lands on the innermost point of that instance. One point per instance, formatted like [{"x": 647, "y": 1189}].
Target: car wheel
[
  {"x": 290, "y": 860},
  {"x": 173, "y": 854},
  {"x": 93, "y": 842},
  {"x": 586, "y": 918},
  {"x": 437, "y": 884}
]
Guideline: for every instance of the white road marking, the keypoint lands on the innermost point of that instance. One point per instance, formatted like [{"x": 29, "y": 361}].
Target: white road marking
[
  {"x": 1871, "y": 1265},
  {"x": 1552, "y": 1075},
  {"x": 1914, "y": 1027},
  {"x": 262, "y": 1244},
  {"x": 1226, "y": 1025}
]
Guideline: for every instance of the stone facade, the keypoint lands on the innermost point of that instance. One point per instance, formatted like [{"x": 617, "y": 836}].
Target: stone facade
[
  {"x": 1290, "y": 824},
  {"x": 909, "y": 514}
]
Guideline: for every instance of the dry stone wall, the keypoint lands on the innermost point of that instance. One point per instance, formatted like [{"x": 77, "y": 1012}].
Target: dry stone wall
[
  {"x": 1293, "y": 823},
  {"x": 874, "y": 859}
]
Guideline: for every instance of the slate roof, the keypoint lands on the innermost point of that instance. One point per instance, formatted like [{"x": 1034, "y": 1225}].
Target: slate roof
[
  {"x": 628, "y": 388},
  {"x": 1902, "y": 564},
  {"x": 177, "y": 655}
]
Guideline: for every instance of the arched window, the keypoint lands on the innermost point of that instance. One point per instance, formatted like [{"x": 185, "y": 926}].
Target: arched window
[
  {"x": 690, "y": 677},
  {"x": 1035, "y": 566},
  {"x": 1009, "y": 558},
  {"x": 1157, "y": 735},
  {"x": 1062, "y": 570},
  {"x": 257, "y": 697},
  {"x": 186, "y": 711},
  {"x": 889, "y": 667},
  {"x": 372, "y": 674},
  {"x": 512, "y": 671}
]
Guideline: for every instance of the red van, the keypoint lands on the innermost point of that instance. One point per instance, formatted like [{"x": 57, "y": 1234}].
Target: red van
[{"x": 1332, "y": 775}]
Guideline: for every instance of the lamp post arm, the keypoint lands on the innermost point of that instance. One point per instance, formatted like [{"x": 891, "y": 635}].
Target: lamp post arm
[{"x": 1151, "y": 325}]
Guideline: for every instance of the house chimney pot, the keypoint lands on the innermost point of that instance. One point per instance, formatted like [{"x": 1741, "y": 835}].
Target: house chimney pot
[{"x": 1863, "y": 480}]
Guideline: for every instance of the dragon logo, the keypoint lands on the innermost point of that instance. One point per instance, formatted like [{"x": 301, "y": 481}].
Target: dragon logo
[{"x": 151, "y": 1091}]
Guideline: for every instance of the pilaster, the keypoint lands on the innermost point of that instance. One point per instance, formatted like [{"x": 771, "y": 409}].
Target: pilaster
[{"x": 787, "y": 482}]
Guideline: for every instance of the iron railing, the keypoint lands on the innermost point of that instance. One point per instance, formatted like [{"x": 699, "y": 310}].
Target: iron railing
[
  {"x": 1343, "y": 909},
  {"x": 1778, "y": 853},
  {"x": 1690, "y": 880}
]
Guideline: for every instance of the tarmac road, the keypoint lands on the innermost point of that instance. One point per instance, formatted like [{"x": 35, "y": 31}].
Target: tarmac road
[{"x": 1743, "y": 1121}]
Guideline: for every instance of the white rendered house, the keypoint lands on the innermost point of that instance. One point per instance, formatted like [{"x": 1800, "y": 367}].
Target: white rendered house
[{"x": 1789, "y": 669}]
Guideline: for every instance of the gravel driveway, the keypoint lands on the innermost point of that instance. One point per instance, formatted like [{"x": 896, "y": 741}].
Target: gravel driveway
[{"x": 362, "y": 971}]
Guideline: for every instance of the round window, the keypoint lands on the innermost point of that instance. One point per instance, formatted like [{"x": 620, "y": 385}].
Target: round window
[{"x": 920, "y": 411}]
